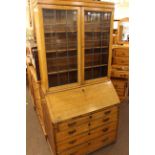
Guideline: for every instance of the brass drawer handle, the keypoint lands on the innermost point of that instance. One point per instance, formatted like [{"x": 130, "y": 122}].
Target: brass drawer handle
[
  {"x": 71, "y": 132},
  {"x": 71, "y": 124},
  {"x": 105, "y": 139},
  {"x": 105, "y": 129},
  {"x": 107, "y": 112},
  {"x": 106, "y": 120},
  {"x": 72, "y": 142}
]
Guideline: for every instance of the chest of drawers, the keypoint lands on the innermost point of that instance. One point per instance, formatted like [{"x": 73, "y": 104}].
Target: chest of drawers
[
  {"x": 121, "y": 86},
  {"x": 120, "y": 69},
  {"x": 120, "y": 62},
  {"x": 81, "y": 121}
]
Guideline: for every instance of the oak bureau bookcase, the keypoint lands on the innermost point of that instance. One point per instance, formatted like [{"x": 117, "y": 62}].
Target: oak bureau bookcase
[{"x": 79, "y": 102}]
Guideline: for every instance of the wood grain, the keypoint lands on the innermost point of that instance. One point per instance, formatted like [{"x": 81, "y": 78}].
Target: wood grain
[{"x": 76, "y": 102}]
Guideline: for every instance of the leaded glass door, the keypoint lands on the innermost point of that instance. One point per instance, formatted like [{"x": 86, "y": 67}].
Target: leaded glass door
[
  {"x": 96, "y": 43},
  {"x": 61, "y": 45}
]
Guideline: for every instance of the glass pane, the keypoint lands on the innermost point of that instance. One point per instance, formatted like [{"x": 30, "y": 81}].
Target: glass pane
[
  {"x": 97, "y": 32},
  {"x": 60, "y": 28}
]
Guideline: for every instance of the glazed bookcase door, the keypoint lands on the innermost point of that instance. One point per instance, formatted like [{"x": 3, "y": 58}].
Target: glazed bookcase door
[
  {"x": 96, "y": 39},
  {"x": 60, "y": 26}
]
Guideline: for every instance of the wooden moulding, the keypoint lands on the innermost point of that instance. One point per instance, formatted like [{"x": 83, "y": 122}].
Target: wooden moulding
[{"x": 81, "y": 3}]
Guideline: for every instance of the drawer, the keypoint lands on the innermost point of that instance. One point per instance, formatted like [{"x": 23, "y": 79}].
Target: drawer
[
  {"x": 73, "y": 141},
  {"x": 121, "y": 67},
  {"x": 119, "y": 84},
  {"x": 82, "y": 138},
  {"x": 103, "y": 130},
  {"x": 72, "y": 123},
  {"x": 119, "y": 74},
  {"x": 104, "y": 113},
  {"x": 101, "y": 141},
  {"x": 62, "y": 135},
  {"x": 103, "y": 121},
  {"x": 121, "y": 52},
  {"x": 79, "y": 150},
  {"x": 121, "y": 60}
]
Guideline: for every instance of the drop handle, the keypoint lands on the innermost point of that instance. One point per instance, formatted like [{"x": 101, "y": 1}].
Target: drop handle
[
  {"x": 105, "y": 129},
  {"x": 107, "y": 112},
  {"x": 72, "y": 142},
  {"x": 71, "y": 124},
  {"x": 71, "y": 132},
  {"x": 107, "y": 119},
  {"x": 83, "y": 90}
]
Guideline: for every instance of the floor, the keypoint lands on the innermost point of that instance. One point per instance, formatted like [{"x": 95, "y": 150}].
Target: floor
[{"x": 37, "y": 145}]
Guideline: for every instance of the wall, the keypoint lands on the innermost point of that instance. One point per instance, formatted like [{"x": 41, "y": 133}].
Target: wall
[{"x": 121, "y": 8}]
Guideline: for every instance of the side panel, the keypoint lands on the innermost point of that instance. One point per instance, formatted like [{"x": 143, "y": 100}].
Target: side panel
[
  {"x": 49, "y": 127},
  {"x": 41, "y": 46}
]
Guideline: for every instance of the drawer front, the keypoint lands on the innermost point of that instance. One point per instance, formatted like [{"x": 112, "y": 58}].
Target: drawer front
[
  {"x": 119, "y": 74},
  {"x": 104, "y": 113},
  {"x": 103, "y": 121},
  {"x": 73, "y": 141},
  {"x": 79, "y": 150},
  {"x": 60, "y": 136},
  {"x": 101, "y": 141},
  {"x": 121, "y": 61},
  {"x": 121, "y": 67},
  {"x": 121, "y": 52},
  {"x": 103, "y": 130},
  {"x": 72, "y": 123},
  {"x": 82, "y": 138}
]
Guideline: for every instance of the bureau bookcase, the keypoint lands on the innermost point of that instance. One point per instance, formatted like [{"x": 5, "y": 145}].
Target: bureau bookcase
[{"x": 80, "y": 104}]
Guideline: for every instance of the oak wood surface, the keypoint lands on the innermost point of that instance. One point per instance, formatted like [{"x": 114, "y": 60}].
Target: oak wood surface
[
  {"x": 80, "y": 3},
  {"x": 121, "y": 60},
  {"x": 76, "y": 102},
  {"x": 119, "y": 74}
]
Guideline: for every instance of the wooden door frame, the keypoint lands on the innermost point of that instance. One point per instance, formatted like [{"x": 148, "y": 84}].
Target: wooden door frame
[
  {"x": 42, "y": 50},
  {"x": 102, "y": 79}
]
